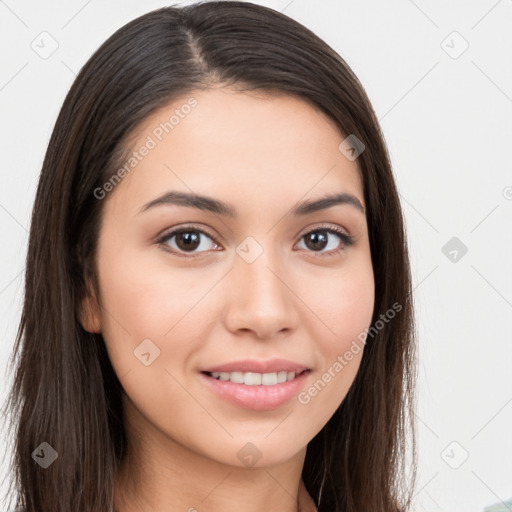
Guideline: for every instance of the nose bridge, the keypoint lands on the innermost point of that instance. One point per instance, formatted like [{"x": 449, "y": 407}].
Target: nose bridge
[{"x": 259, "y": 299}]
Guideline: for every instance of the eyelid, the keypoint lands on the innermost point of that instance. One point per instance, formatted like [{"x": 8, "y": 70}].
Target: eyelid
[{"x": 323, "y": 226}]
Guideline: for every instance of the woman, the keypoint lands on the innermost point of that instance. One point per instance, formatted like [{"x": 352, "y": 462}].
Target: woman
[{"x": 218, "y": 310}]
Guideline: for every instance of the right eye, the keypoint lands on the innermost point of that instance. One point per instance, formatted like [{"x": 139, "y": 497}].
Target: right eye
[{"x": 187, "y": 240}]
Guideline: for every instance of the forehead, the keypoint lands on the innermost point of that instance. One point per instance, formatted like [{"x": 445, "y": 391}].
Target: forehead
[{"x": 254, "y": 148}]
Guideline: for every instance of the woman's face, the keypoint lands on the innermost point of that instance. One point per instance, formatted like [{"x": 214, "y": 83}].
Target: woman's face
[{"x": 255, "y": 280}]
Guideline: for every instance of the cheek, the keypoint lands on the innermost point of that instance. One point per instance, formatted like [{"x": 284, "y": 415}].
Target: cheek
[
  {"x": 349, "y": 305},
  {"x": 343, "y": 302},
  {"x": 143, "y": 299},
  {"x": 343, "y": 305}
]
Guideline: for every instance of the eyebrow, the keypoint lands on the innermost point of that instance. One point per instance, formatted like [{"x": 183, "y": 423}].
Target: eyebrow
[{"x": 212, "y": 205}]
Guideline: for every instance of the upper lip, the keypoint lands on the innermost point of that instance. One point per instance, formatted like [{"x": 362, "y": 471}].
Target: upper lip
[{"x": 255, "y": 366}]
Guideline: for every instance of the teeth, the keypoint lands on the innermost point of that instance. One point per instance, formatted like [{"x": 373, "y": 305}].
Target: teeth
[{"x": 254, "y": 379}]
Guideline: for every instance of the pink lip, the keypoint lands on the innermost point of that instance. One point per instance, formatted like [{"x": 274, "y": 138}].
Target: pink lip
[
  {"x": 257, "y": 398},
  {"x": 252, "y": 365}
]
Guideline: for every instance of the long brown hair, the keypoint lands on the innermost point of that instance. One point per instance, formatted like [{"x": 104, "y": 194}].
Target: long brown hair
[{"x": 65, "y": 391}]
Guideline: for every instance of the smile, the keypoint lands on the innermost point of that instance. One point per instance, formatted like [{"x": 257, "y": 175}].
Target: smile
[
  {"x": 255, "y": 391},
  {"x": 253, "y": 378}
]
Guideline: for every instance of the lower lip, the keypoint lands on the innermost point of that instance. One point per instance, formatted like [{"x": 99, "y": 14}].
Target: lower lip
[{"x": 257, "y": 398}]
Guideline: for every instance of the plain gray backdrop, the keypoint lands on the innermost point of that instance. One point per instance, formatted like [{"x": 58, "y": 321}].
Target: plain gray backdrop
[{"x": 439, "y": 76}]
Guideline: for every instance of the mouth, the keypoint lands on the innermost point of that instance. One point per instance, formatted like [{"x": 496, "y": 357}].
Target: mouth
[
  {"x": 253, "y": 390},
  {"x": 255, "y": 378}
]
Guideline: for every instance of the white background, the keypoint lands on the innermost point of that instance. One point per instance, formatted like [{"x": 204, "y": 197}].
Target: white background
[{"x": 447, "y": 122}]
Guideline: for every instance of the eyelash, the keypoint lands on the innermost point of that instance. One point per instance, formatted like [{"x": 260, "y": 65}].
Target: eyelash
[{"x": 347, "y": 240}]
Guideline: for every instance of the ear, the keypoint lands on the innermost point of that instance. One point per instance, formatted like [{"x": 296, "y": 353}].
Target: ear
[{"x": 90, "y": 314}]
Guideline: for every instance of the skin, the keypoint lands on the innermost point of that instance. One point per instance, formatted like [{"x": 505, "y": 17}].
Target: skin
[{"x": 261, "y": 153}]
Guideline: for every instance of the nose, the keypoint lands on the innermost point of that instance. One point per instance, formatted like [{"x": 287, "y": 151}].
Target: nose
[{"x": 260, "y": 299}]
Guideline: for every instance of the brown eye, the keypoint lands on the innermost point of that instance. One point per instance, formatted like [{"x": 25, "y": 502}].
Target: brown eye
[
  {"x": 188, "y": 241},
  {"x": 332, "y": 239},
  {"x": 316, "y": 240}
]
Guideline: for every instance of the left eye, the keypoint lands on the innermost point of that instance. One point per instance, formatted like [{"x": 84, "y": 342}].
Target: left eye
[{"x": 320, "y": 241}]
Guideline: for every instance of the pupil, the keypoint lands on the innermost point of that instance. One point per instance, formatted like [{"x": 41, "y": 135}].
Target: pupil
[
  {"x": 318, "y": 239},
  {"x": 187, "y": 240}
]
